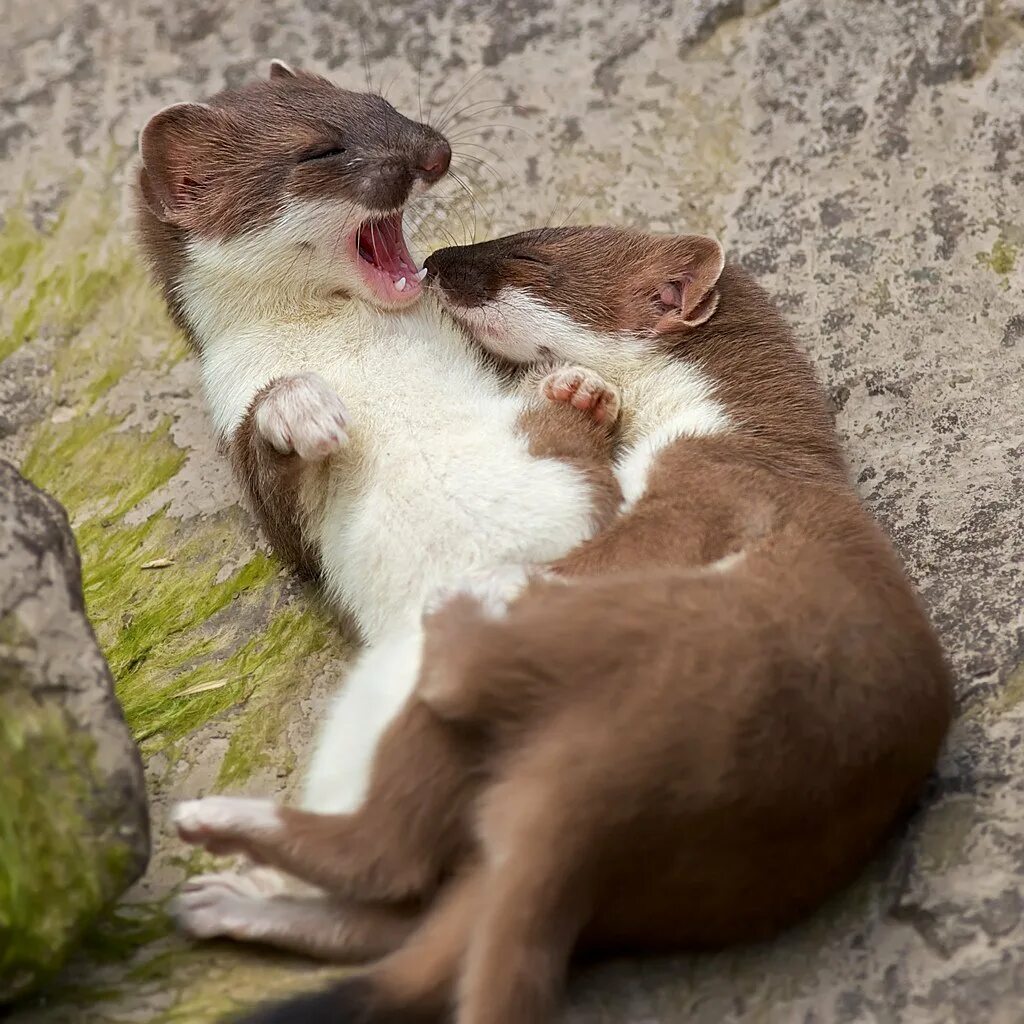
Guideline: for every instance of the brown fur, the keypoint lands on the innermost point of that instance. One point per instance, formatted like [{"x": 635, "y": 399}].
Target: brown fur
[
  {"x": 601, "y": 277},
  {"x": 555, "y": 429},
  {"x": 657, "y": 752},
  {"x": 273, "y": 485}
]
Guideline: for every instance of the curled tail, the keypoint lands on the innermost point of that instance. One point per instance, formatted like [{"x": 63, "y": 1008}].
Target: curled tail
[{"x": 352, "y": 1001}]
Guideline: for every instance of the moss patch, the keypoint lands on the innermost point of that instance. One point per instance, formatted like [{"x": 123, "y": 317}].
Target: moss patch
[
  {"x": 177, "y": 662},
  {"x": 267, "y": 664},
  {"x": 1002, "y": 258},
  {"x": 96, "y": 470},
  {"x": 945, "y": 834},
  {"x": 56, "y": 876},
  {"x": 78, "y": 282},
  {"x": 1013, "y": 691}
]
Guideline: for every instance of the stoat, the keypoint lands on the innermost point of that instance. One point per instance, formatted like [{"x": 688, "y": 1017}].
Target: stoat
[
  {"x": 689, "y": 731},
  {"x": 380, "y": 447}
]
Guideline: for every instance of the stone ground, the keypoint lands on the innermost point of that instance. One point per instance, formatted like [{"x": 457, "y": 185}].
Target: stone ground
[{"x": 864, "y": 158}]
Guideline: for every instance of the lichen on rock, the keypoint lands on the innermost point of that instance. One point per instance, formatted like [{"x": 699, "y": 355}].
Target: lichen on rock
[
  {"x": 58, "y": 874},
  {"x": 73, "y": 813}
]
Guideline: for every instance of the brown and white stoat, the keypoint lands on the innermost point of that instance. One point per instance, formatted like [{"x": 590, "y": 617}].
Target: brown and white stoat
[
  {"x": 377, "y": 443},
  {"x": 687, "y": 732}
]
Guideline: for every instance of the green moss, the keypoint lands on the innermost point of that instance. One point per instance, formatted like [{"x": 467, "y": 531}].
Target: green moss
[
  {"x": 63, "y": 298},
  {"x": 880, "y": 298},
  {"x": 56, "y": 876},
  {"x": 14, "y": 632},
  {"x": 79, "y": 282},
  {"x": 173, "y": 673},
  {"x": 54, "y": 278},
  {"x": 20, "y": 244},
  {"x": 268, "y": 663},
  {"x": 1002, "y": 259},
  {"x": 165, "y": 699},
  {"x": 945, "y": 834},
  {"x": 96, "y": 469},
  {"x": 124, "y": 929},
  {"x": 232, "y": 982}
]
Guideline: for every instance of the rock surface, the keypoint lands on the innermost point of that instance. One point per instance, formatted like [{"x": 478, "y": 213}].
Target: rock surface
[
  {"x": 75, "y": 829},
  {"x": 865, "y": 160}
]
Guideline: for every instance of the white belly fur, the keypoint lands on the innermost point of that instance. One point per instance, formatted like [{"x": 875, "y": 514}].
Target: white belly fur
[{"x": 436, "y": 485}]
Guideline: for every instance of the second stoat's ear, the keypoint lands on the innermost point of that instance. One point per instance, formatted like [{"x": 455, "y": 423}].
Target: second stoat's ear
[
  {"x": 689, "y": 297},
  {"x": 279, "y": 69}
]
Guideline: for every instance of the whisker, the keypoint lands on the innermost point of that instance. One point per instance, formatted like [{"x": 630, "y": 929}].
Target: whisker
[
  {"x": 501, "y": 158},
  {"x": 457, "y": 211},
  {"x": 472, "y": 195},
  {"x": 481, "y": 163},
  {"x": 391, "y": 82},
  {"x": 459, "y": 93},
  {"x": 492, "y": 126},
  {"x": 419, "y": 90},
  {"x": 453, "y": 119},
  {"x": 575, "y": 209},
  {"x": 365, "y": 57}
]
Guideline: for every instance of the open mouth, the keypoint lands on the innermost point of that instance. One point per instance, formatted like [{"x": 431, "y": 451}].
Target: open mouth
[{"x": 385, "y": 262}]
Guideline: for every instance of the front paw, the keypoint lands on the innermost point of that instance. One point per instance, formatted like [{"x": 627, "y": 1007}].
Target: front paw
[
  {"x": 225, "y": 825},
  {"x": 584, "y": 390},
  {"x": 303, "y": 414}
]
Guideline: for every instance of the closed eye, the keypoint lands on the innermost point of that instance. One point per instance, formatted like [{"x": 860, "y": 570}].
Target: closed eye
[
  {"x": 322, "y": 153},
  {"x": 530, "y": 259}
]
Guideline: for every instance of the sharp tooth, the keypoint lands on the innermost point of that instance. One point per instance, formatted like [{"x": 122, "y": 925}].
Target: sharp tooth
[
  {"x": 400, "y": 285},
  {"x": 422, "y": 274}
]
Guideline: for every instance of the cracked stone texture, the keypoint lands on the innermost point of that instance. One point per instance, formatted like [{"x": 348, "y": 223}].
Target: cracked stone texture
[
  {"x": 72, "y": 792},
  {"x": 865, "y": 160}
]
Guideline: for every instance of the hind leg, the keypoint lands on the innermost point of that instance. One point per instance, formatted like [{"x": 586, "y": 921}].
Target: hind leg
[
  {"x": 409, "y": 830},
  {"x": 239, "y": 907},
  {"x": 537, "y": 843}
]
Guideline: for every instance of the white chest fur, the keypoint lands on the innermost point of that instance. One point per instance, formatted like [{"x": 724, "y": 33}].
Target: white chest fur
[
  {"x": 436, "y": 482},
  {"x": 435, "y": 485}
]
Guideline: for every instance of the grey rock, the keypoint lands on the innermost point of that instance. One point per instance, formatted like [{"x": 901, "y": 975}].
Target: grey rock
[{"x": 75, "y": 830}]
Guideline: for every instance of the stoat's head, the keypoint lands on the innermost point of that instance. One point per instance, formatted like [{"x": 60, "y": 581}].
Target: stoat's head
[
  {"x": 580, "y": 294},
  {"x": 290, "y": 182}
]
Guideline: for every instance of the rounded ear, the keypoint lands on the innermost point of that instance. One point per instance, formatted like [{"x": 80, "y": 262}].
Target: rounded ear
[
  {"x": 691, "y": 298},
  {"x": 279, "y": 69},
  {"x": 172, "y": 147},
  {"x": 704, "y": 309}
]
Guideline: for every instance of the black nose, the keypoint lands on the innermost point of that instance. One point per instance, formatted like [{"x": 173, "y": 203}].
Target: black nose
[
  {"x": 434, "y": 263},
  {"x": 443, "y": 266},
  {"x": 435, "y": 162}
]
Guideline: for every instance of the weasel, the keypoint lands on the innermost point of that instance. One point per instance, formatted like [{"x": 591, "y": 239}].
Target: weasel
[
  {"x": 380, "y": 448},
  {"x": 702, "y": 726}
]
